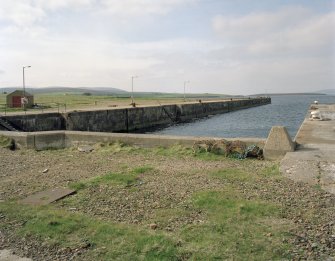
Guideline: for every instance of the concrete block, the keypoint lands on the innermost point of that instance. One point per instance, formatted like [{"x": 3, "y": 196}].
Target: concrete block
[
  {"x": 49, "y": 140},
  {"x": 278, "y": 143}
]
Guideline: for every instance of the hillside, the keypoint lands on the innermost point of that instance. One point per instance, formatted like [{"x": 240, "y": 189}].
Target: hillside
[
  {"x": 92, "y": 90},
  {"x": 113, "y": 91},
  {"x": 328, "y": 91}
]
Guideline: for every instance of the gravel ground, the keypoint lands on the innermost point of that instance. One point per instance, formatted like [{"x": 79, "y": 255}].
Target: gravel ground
[{"x": 168, "y": 186}]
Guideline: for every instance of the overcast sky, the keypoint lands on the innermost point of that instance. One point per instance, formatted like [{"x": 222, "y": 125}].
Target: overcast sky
[{"x": 220, "y": 46}]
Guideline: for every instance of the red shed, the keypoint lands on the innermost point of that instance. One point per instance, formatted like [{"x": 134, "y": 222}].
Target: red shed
[{"x": 14, "y": 99}]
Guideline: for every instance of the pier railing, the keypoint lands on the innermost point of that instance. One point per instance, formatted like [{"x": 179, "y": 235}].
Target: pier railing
[{"x": 38, "y": 108}]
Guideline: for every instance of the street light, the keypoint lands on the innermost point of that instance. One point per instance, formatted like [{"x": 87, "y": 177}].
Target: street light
[
  {"x": 184, "y": 89},
  {"x": 132, "y": 89},
  {"x": 24, "y": 85}
]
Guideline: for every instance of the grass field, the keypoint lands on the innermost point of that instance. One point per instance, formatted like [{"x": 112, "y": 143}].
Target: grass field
[
  {"x": 161, "y": 204},
  {"x": 70, "y": 101}
]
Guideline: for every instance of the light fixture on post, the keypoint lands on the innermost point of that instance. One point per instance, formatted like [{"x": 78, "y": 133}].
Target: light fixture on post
[
  {"x": 132, "y": 90},
  {"x": 24, "y": 99}
]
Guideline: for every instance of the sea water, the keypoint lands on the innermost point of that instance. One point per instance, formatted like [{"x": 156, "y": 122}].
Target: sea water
[{"x": 285, "y": 110}]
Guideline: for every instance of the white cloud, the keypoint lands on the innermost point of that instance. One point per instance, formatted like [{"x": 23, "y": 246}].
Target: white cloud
[
  {"x": 27, "y": 12},
  {"x": 141, "y": 7},
  {"x": 278, "y": 50},
  {"x": 292, "y": 48},
  {"x": 20, "y": 13},
  {"x": 58, "y": 4},
  {"x": 255, "y": 25},
  {"x": 288, "y": 30}
]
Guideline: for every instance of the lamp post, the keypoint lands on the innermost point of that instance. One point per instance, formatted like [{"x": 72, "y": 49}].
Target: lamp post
[
  {"x": 132, "y": 89},
  {"x": 184, "y": 89},
  {"x": 24, "y": 85}
]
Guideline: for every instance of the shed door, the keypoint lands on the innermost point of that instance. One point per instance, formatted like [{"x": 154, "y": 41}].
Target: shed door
[{"x": 16, "y": 100}]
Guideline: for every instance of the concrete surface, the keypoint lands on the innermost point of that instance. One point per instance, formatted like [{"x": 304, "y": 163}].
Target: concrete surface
[
  {"x": 47, "y": 196},
  {"x": 314, "y": 160},
  {"x": 7, "y": 255},
  {"x": 278, "y": 143},
  {"x": 66, "y": 139}
]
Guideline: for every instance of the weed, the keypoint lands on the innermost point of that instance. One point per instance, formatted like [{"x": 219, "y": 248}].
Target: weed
[{"x": 7, "y": 143}]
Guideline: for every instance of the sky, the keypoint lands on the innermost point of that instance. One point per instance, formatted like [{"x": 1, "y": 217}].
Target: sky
[{"x": 216, "y": 46}]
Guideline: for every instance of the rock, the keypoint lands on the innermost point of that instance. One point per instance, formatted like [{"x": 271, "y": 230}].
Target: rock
[
  {"x": 254, "y": 151},
  {"x": 45, "y": 170},
  {"x": 153, "y": 226},
  {"x": 85, "y": 148},
  {"x": 220, "y": 147},
  {"x": 236, "y": 147},
  {"x": 203, "y": 146},
  {"x": 6, "y": 254}
]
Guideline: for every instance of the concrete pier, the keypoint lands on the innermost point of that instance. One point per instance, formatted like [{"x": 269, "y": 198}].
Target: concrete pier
[
  {"x": 314, "y": 160},
  {"x": 132, "y": 119}
]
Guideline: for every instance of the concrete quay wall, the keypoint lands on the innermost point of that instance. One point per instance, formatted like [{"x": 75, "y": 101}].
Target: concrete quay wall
[
  {"x": 142, "y": 118},
  {"x": 128, "y": 119},
  {"x": 36, "y": 122},
  {"x": 66, "y": 139}
]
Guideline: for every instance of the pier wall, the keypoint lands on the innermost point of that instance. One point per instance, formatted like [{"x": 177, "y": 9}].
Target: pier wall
[
  {"x": 142, "y": 118},
  {"x": 134, "y": 119},
  {"x": 36, "y": 122},
  {"x": 65, "y": 139}
]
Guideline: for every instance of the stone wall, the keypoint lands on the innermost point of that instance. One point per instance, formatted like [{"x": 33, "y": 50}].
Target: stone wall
[
  {"x": 37, "y": 122},
  {"x": 128, "y": 119},
  {"x": 142, "y": 118}
]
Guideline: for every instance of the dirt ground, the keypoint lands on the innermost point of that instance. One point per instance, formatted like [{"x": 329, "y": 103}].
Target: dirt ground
[{"x": 169, "y": 184}]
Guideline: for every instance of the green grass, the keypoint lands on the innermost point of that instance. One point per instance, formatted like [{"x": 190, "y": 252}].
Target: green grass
[
  {"x": 6, "y": 142},
  {"x": 234, "y": 175},
  {"x": 173, "y": 151},
  {"x": 77, "y": 100},
  {"x": 237, "y": 229},
  {"x": 125, "y": 178},
  {"x": 231, "y": 225},
  {"x": 107, "y": 240}
]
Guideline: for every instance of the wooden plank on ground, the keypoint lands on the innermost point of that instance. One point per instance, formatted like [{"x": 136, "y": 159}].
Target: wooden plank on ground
[{"x": 47, "y": 196}]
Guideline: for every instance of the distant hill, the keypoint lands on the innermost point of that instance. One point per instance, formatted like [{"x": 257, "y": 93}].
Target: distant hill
[
  {"x": 297, "y": 93},
  {"x": 79, "y": 90},
  {"x": 328, "y": 91},
  {"x": 115, "y": 92}
]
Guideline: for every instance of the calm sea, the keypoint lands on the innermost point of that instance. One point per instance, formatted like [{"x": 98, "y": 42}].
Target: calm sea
[{"x": 285, "y": 110}]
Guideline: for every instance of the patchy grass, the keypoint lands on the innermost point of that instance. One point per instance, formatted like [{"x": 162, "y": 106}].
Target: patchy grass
[
  {"x": 6, "y": 142},
  {"x": 233, "y": 175},
  {"x": 107, "y": 240},
  {"x": 116, "y": 147},
  {"x": 173, "y": 151},
  {"x": 124, "y": 178},
  {"x": 204, "y": 218},
  {"x": 235, "y": 229}
]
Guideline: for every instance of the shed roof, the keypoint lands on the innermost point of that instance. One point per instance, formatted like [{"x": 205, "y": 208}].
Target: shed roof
[{"x": 19, "y": 93}]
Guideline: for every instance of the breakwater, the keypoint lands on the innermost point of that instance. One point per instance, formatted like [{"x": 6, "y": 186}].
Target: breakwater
[{"x": 133, "y": 119}]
